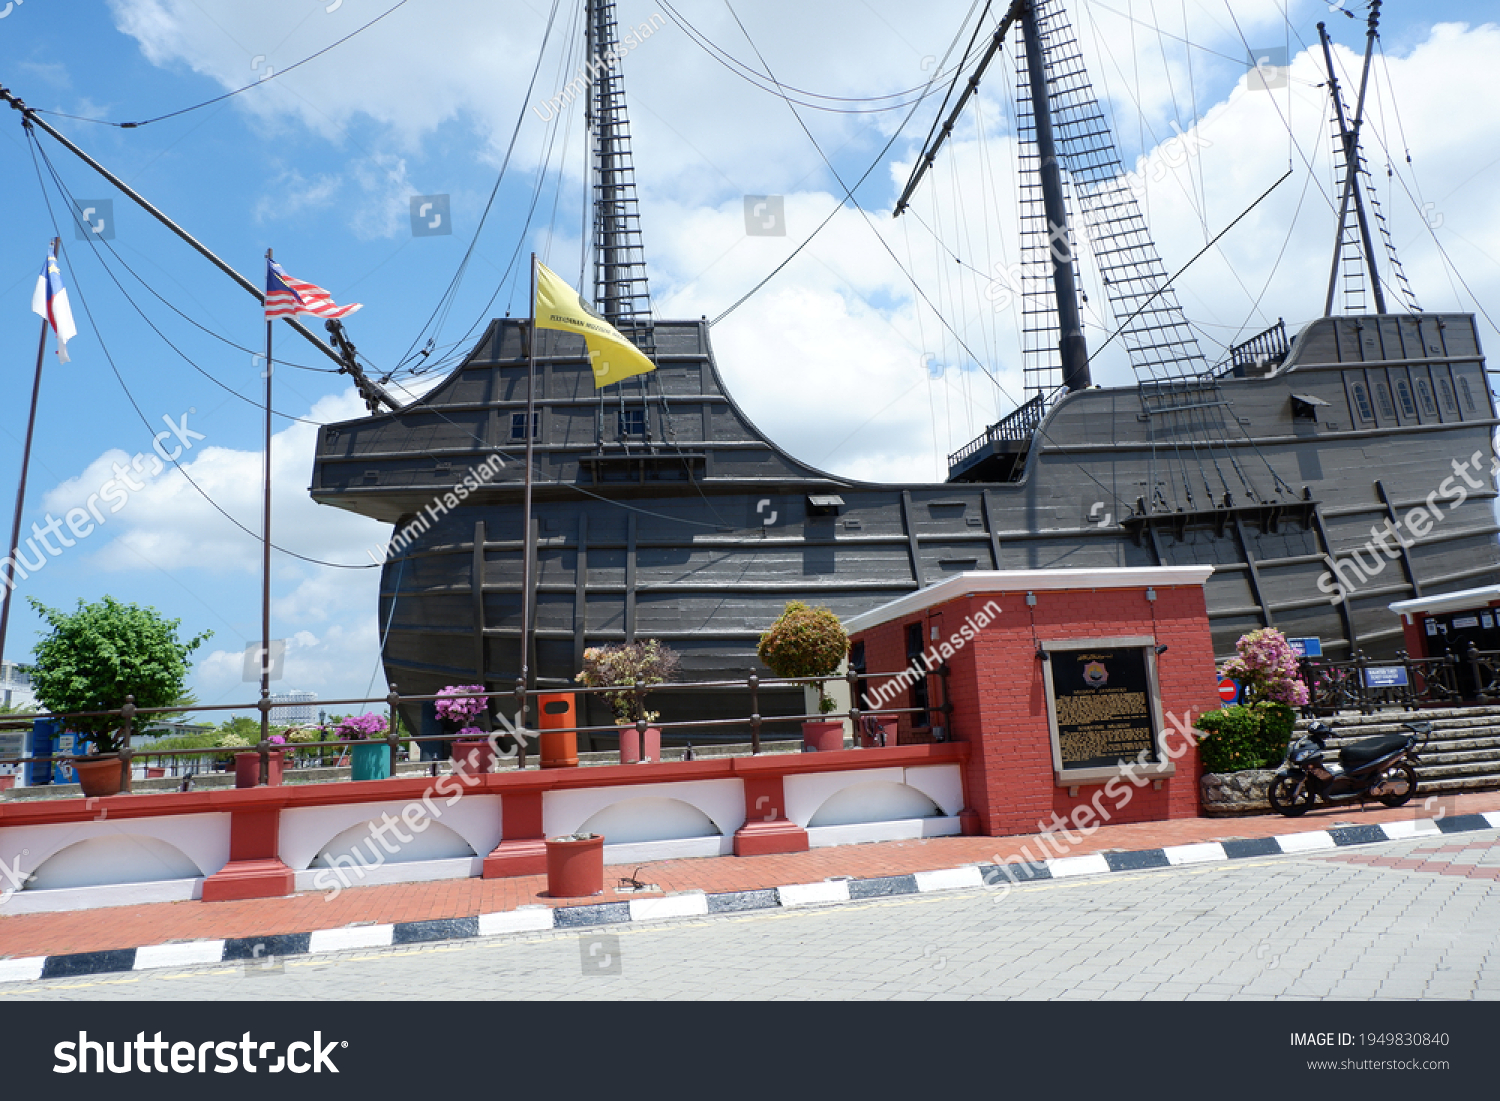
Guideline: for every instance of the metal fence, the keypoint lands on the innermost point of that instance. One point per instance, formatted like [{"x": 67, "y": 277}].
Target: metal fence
[
  {"x": 517, "y": 727},
  {"x": 1369, "y": 684}
]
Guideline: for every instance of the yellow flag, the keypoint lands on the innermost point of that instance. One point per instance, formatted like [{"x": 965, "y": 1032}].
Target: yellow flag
[{"x": 558, "y": 307}]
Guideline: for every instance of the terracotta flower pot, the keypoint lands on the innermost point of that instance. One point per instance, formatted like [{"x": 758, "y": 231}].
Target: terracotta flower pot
[
  {"x": 823, "y": 737},
  {"x": 98, "y": 775},
  {"x": 630, "y": 745},
  {"x": 575, "y": 867},
  {"x": 247, "y": 768},
  {"x": 477, "y": 754}
]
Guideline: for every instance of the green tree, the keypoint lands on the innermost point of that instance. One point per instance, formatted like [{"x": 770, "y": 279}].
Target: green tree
[{"x": 101, "y": 653}]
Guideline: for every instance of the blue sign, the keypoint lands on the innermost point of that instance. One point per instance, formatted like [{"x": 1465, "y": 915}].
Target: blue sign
[
  {"x": 1386, "y": 676},
  {"x": 1306, "y": 647}
]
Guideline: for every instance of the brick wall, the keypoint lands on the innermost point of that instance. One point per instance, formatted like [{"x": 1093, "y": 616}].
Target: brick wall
[{"x": 999, "y": 700}]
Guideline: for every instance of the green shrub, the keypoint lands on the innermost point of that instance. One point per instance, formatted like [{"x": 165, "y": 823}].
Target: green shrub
[
  {"x": 805, "y": 642},
  {"x": 1243, "y": 737}
]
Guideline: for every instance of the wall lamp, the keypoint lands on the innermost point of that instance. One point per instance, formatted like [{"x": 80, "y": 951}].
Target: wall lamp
[
  {"x": 1161, "y": 648},
  {"x": 1042, "y": 655}
]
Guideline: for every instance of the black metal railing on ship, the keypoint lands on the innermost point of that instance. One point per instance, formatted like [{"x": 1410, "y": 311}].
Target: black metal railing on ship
[
  {"x": 519, "y": 720},
  {"x": 1263, "y": 352},
  {"x": 1019, "y": 424}
]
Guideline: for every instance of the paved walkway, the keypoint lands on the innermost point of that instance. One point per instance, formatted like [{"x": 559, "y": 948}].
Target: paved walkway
[
  {"x": 51, "y": 934},
  {"x": 1359, "y": 924}
]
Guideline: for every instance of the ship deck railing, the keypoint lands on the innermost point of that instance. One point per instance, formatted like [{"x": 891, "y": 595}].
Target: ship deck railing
[
  {"x": 1020, "y": 424},
  {"x": 1261, "y": 354}
]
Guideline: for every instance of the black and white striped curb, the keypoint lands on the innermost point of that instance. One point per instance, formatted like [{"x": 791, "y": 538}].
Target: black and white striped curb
[{"x": 266, "y": 952}]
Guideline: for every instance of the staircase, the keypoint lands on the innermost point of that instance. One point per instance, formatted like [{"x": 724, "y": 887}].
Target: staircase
[{"x": 1463, "y": 753}]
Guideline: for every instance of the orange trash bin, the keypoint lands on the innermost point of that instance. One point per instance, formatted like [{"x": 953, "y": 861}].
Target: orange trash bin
[{"x": 556, "y": 715}]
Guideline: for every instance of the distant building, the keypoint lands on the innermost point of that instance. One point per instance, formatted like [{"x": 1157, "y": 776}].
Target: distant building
[
  {"x": 294, "y": 708},
  {"x": 15, "y": 686}
]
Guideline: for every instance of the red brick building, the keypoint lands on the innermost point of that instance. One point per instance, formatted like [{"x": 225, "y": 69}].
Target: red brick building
[{"x": 995, "y": 658}]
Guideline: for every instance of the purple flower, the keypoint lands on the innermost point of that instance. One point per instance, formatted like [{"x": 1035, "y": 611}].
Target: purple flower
[
  {"x": 359, "y": 728},
  {"x": 464, "y": 706},
  {"x": 276, "y": 739}
]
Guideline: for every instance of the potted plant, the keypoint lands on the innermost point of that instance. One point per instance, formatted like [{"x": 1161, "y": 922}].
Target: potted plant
[
  {"x": 1244, "y": 742},
  {"x": 457, "y": 711},
  {"x": 806, "y": 643},
  {"x": 95, "y": 659},
  {"x": 247, "y": 764},
  {"x": 629, "y": 669},
  {"x": 370, "y": 755}
]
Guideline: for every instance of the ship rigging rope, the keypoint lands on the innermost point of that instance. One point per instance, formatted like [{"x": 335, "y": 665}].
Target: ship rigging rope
[
  {"x": 120, "y": 378},
  {"x": 849, "y": 192},
  {"x": 446, "y": 299},
  {"x": 62, "y": 188},
  {"x": 270, "y": 76},
  {"x": 760, "y": 79}
]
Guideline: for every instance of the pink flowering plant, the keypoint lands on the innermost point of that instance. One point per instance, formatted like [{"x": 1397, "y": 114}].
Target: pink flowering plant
[
  {"x": 362, "y": 728},
  {"x": 1266, "y": 667},
  {"x": 455, "y": 706},
  {"x": 1254, "y": 733}
]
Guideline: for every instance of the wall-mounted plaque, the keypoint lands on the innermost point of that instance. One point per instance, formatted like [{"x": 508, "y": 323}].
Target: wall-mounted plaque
[{"x": 1103, "y": 708}]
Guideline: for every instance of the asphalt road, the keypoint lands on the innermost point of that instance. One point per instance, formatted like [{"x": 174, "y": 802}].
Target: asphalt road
[{"x": 1324, "y": 926}]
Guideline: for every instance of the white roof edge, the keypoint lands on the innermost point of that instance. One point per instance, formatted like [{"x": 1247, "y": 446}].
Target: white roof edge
[
  {"x": 1021, "y": 581},
  {"x": 1446, "y": 602}
]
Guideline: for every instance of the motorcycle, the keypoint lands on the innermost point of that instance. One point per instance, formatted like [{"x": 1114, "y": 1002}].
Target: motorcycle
[{"x": 1381, "y": 768}]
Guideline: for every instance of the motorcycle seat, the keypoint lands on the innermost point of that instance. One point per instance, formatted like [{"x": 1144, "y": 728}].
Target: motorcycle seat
[{"x": 1363, "y": 752}]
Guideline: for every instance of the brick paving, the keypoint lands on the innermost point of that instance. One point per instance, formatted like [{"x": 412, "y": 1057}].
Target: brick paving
[{"x": 160, "y": 923}]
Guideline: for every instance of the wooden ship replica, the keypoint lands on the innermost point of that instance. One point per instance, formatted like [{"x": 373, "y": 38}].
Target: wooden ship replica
[{"x": 661, "y": 511}]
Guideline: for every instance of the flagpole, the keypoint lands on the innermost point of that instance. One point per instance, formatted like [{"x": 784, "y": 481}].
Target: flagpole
[
  {"x": 265, "y": 581},
  {"x": 528, "y": 556},
  {"x": 15, "y": 524}
]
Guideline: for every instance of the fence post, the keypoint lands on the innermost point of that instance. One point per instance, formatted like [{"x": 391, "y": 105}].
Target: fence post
[
  {"x": 853, "y": 678},
  {"x": 393, "y": 700},
  {"x": 520, "y": 731},
  {"x": 127, "y": 715},
  {"x": 1479, "y": 686},
  {"x": 1360, "y": 684},
  {"x": 754, "y": 714},
  {"x": 1413, "y": 697}
]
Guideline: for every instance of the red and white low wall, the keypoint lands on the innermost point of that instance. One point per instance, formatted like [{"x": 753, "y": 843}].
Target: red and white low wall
[{"x": 266, "y": 842}]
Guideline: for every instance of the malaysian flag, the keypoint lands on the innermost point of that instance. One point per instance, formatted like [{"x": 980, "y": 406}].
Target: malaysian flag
[{"x": 288, "y": 297}]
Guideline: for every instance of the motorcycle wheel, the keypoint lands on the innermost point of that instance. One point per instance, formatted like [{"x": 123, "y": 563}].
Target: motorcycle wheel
[
  {"x": 1285, "y": 798},
  {"x": 1411, "y": 786}
]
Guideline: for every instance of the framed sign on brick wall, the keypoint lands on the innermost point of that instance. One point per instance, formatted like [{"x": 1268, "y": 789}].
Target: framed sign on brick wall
[{"x": 1104, "y": 709}]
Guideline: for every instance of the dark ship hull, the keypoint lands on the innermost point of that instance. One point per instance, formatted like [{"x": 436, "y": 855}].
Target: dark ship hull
[{"x": 670, "y": 516}]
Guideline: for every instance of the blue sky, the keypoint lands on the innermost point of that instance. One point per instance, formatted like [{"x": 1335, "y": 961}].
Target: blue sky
[{"x": 322, "y": 163}]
